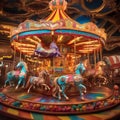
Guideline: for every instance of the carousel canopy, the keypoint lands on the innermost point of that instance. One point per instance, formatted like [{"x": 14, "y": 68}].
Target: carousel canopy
[{"x": 60, "y": 28}]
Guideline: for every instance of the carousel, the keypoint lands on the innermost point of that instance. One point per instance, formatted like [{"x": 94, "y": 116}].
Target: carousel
[{"x": 61, "y": 68}]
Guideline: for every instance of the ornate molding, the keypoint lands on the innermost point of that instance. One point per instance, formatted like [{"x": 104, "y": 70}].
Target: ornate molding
[{"x": 94, "y": 10}]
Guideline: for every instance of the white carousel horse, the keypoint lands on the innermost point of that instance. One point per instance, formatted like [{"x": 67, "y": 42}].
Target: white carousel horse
[{"x": 39, "y": 81}]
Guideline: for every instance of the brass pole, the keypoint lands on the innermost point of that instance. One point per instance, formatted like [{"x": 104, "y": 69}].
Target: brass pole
[
  {"x": 20, "y": 50},
  {"x": 75, "y": 51},
  {"x": 95, "y": 57},
  {"x": 101, "y": 54}
]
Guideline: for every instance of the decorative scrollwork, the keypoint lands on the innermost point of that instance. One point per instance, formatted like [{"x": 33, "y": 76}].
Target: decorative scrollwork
[{"x": 96, "y": 10}]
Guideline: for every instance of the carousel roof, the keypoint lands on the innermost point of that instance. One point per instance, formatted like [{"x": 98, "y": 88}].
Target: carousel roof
[
  {"x": 104, "y": 14},
  {"x": 85, "y": 38}
]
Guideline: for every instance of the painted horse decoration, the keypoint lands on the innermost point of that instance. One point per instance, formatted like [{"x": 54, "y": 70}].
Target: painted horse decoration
[
  {"x": 95, "y": 75},
  {"x": 76, "y": 79},
  {"x": 40, "y": 81},
  {"x": 19, "y": 74},
  {"x": 53, "y": 51}
]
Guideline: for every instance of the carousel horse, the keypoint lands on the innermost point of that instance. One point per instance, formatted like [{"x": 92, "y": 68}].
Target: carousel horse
[
  {"x": 53, "y": 51},
  {"x": 19, "y": 74},
  {"x": 76, "y": 79},
  {"x": 95, "y": 75},
  {"x": 100, "y": 76},
  {"x": 40, "y": 81}
]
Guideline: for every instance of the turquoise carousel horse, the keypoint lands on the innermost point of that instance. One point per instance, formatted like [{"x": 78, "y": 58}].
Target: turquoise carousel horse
[
  {"x": 61, "y": 82},
  {"x": 19, "y": 74}
]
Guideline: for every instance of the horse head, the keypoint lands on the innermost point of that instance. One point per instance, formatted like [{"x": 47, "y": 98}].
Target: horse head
[
  {"x": 23, "y": 66},
  {"x": 80, "y": 68},
  {"x": 44, "y": 74},
  {"x": 101, "y": 63}
]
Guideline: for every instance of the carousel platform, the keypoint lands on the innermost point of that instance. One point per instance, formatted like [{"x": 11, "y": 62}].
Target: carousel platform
[{"x": 17, "y": 102}]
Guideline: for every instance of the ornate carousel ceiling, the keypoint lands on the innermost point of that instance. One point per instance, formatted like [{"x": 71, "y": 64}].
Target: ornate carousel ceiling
[{"x": 104, "y": 13}]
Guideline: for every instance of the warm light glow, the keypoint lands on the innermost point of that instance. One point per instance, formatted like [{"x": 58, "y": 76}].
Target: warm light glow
[
  {"x": 37, "y": 38},
  {"x": 58, "y": 23},
  {"x": 60, "y": 37},
  {"x": 18, "y": 44},
  {"x": 75, "y": 40},
  {"x": 86, "y": 43},
  {"x": 32, "y": 40}
]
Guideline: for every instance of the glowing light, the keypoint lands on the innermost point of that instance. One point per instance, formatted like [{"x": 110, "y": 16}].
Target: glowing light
[
  {"x": 60, "y": 37},
  {"x": 75, "y": 39},
  {"x": 32, "y": 40}
]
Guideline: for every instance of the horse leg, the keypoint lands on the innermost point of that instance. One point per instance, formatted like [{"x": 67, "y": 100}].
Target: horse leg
[
  {"x": 10, "y": 83},
  {"x": 19, "y": 82},
  {"x": 29, "y": 88},
  {"x": 62, "y": 91},
  {"x": 101, "y": 78},
  {"x": 105, "y": 80},
  {"x": 6, "y": 82},
  {"x": 46, "y": 87},
  {"x": 23, "y": 86},
  {"x": 59, "y": 95},
  {"x": 54, "y": 92},
  {"x": 81, "y": 87}
]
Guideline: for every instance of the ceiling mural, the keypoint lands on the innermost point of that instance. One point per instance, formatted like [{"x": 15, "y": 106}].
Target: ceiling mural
[{"x": 104, "y": 13}]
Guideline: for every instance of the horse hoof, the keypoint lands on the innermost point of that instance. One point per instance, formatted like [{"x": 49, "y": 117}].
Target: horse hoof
[
  {"x": 16, "y": 87},
  {"x": 82, "y": 98},
  {"x": 23, "y": 86},
  {"x": 60, "y": 99},
  {"x": 85, "y": 91},
  {"x": 67, "y": 98}
]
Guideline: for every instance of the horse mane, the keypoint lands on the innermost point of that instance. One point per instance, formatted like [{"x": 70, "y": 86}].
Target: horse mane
[
  {"x": 100, "y": 63},
  {"x": 25, "y": 65},
  {"x": 45, "y": 75}
]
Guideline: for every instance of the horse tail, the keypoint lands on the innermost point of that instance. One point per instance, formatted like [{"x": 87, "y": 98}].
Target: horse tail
[{"x": 28, "y": 82}]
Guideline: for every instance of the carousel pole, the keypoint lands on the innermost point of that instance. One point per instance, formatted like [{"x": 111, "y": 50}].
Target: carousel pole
[
  {"x": 97, "y": 56},
  {"x": 20, "y": 54},
  {"x": 100, "y": 53},
  {"x": 75, "y": 53},
  {"x": 53, "y": 62},
  {"x": 94, "y": 57},
  {"x": 14, "y": 54},
  {"x": 88, "y": 57}
]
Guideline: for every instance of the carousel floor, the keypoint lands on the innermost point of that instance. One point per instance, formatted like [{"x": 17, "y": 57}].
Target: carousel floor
[
  {"x": 97, "y": 93},
  {"x": 16, "y": 112}
]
